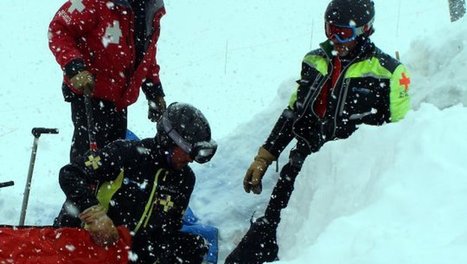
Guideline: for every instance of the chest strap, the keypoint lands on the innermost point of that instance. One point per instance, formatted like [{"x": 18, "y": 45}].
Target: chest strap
[
  {"x": 150, "y": 204},
  {"x": 108, "y": 189}
]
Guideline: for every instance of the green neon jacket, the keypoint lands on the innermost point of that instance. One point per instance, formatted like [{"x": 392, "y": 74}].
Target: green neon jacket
[{"x": 372, "y": 89}]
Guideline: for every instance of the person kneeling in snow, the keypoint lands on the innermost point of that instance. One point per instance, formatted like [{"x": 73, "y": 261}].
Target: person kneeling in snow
[
  {"x": 345, "y": 83},
  {"x": 144, "y": 185}
]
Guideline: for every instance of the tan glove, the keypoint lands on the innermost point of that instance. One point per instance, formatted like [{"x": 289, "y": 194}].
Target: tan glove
[
  {"x": 83, "y": 80},
  {"x": 254, "y": 174},
  {"x": 156, "y": 108},
  {"x": 99, "y": 225}
]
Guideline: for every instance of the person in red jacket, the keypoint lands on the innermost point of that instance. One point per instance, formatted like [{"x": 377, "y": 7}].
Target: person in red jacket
[{"x": 108, "y": 48}]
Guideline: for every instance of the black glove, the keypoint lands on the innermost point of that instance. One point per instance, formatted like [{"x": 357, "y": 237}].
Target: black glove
[{"x": 156, "y": 108}]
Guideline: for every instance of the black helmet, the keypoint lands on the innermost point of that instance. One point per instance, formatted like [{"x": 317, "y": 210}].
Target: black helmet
[
  {"x": 356, "y": 13},
  {"x": 185, "y": 126}
]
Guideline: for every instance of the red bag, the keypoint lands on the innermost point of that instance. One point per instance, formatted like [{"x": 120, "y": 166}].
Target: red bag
[{"x": 46, "y": 245}]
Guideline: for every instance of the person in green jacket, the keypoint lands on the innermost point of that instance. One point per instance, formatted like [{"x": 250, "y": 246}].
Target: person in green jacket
[{"x": 347, "y": 82}]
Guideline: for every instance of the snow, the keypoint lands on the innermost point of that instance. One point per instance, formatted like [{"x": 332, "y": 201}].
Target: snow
[{"x": 392, "y": 194}]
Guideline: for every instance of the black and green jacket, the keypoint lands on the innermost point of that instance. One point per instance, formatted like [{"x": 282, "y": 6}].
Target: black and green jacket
[
  {"x": 371, "y": 89},
  {"x": 137, "y": 186}
]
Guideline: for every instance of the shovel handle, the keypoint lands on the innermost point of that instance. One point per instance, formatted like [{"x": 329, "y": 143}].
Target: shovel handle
[
  {"x": 90, "y": 119},
  {"x": 6, "y": 184},
  {"x": 38, "y": 131}
]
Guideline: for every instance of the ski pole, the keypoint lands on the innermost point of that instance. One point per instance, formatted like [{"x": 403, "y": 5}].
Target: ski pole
[
  {"x": 6, "y": 184},
  {"x": 91, "y": 128},
  {"x": 90, "y": 120},
  {"x": 36, "y": 132}
]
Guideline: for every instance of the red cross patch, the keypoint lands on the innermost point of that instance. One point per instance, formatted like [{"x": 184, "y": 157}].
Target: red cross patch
[{"x": 405, "y": 81}]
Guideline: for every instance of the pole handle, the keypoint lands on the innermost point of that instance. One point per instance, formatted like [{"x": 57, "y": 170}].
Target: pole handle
[
  {"x": 38, "y": 131},
  {"x": 6, "y": 184}
]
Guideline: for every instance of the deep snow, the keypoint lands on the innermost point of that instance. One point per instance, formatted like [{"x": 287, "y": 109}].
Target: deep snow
[{"x": 388, "y": 194}]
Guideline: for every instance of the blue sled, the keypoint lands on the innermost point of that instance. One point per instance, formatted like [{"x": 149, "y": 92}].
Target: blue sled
[{"x": 191, "y": 225}]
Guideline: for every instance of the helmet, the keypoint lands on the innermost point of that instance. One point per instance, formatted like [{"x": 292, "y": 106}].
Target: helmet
[
  {"x": 356, "y": 13},
  {"x": 185, "y": 126}
]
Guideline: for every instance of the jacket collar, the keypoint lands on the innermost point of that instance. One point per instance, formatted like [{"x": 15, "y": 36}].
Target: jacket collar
[
  {"x": 124, "y": 3},
  {"x": 154, "y": 4}
]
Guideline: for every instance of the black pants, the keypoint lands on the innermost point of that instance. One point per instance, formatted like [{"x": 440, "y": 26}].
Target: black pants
[
  {"x": 179, "y": 247},
  {"x": 285, "y": 185},
  {"x": 259, "y": 244},
  {"x": 109, "y": 124}
]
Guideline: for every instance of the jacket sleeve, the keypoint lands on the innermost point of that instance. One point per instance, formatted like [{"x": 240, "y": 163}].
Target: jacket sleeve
[
  {"x": 281, "y": 134},
  {"x": 152, "y": 90},
  {"x": 399, "y": 99},
  {"x": 283, "y": 130},
  {"x": 152, "y": 87},
  {"x": 69, "y": 26},
  {"x": 79, "y": 179}
]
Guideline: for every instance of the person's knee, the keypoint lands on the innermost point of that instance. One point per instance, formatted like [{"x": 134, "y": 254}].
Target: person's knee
[
  {"x": 188, "y": 248},
  {"x": 296, "y": 160},
  {"x": 198, "y": 246}
]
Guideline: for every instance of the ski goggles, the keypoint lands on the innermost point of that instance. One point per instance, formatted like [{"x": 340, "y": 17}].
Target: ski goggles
[
  {"x": 200, "y": 152},
  {"x": 345, "y": 34}
]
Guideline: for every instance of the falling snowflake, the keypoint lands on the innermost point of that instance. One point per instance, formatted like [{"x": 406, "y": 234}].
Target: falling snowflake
[{"x": 70, "y": 247}]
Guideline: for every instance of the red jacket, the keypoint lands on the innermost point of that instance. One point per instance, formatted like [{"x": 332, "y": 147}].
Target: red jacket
[{"x": 98, "y": 36}]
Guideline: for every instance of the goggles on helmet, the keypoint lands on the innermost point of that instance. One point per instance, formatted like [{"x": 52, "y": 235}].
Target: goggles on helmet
[
  {"x": 200, "y": 152},
  {"x": 345, "y": 34}
]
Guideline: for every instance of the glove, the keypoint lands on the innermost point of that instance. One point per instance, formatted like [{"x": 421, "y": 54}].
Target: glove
[
  {"x": 82, "y": 80},
  {"x": 254, "y": 174},
  {"x": 156, "y": 108},
  {"x": 99, "y": 225}
]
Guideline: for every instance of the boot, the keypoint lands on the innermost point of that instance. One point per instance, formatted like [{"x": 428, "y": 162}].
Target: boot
[{"x": 259, "y": 244}]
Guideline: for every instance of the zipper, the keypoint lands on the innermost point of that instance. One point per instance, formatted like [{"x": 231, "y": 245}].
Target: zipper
[
  {"x": 309, "y": 100},
  {"x": 312, "y": 97},
  {"x": 131, "y": 44},
  {"x": 342, "y": 95}
]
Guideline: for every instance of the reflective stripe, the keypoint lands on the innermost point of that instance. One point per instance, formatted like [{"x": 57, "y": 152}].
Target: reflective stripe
[
  {"x": 152, "y": 205},
  {"x": 148, "y": 208},
  {"x": 368, "y": 68}
]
